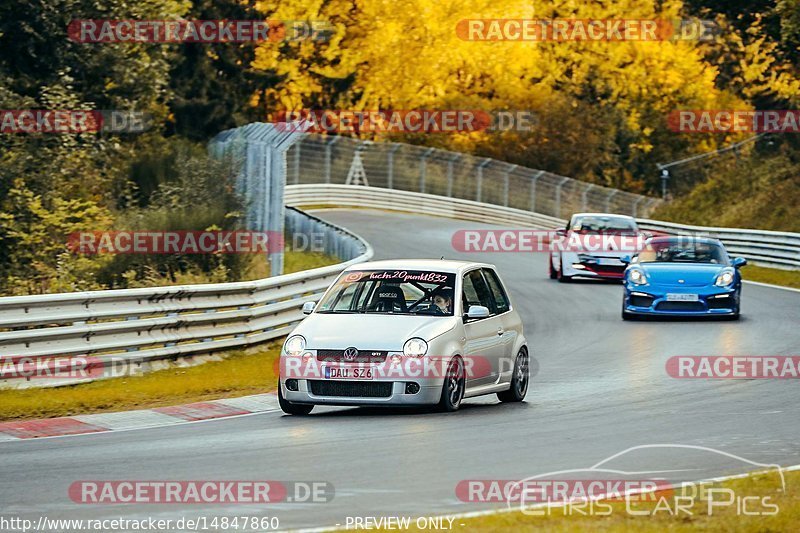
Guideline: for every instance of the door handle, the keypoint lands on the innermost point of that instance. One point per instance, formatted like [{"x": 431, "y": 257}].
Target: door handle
[{"x": 500, "y": 331}]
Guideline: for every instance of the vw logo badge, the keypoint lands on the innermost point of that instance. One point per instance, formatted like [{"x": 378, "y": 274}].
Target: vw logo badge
[{"x": 350, "y": 354}]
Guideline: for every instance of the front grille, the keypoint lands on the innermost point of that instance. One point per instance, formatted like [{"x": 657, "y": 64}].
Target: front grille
[
  {"x": 641, "y": 301},
  {"x": 364, "y": 356},
  {"x": 352, "y": 389},
  {"x": 680, "y": 306},
  {"x": 721, "y": 303}
]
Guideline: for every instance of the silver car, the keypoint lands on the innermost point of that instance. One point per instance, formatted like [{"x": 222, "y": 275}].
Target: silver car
[{"x": 406, "y": 332}]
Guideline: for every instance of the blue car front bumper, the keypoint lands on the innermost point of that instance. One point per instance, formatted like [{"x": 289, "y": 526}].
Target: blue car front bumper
[{"x": 711, "y": 300}]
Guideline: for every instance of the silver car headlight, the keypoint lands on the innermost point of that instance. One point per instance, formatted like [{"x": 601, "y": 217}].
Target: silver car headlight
[
  {"x": 294, "y": 345},
  {"x": 637, "y": 277},
  {"x": 724, "y": 279},
  {"x": 415, "y": 347}
]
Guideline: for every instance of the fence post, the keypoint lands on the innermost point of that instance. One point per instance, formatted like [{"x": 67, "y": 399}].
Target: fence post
[
  {"x": 297, "y": 162},
  {"x": 608, "y": 200},
  {"x": 636, "y": 206},
  {"x": 584, "y": 197},
  {"x": 533, "y": 189},
  {"x": 558, "y": 197},
  {"x": 423, "y": 168},
  {"x": 450, "y": 164},
  {"x": 479, "y": 188},
  {"x": 509, "y": 170},
  {"x": 390, "y": 164},
  {"x": 328, "y": 147}
]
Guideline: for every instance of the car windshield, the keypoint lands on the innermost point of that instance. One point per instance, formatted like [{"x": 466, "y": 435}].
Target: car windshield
[
  {"x": 404, "y": 292},
  {"x": 603, "y": 224},
  {"x": 683, "y": 252}
]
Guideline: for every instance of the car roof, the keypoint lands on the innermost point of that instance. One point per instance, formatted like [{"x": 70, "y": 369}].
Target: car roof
[
  {"x": 614, "y": 215},
  {"x": 439, "y": 265}
]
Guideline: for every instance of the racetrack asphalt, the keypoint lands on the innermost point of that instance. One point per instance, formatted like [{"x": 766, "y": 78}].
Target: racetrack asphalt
[{"x": 600, "y": 388}]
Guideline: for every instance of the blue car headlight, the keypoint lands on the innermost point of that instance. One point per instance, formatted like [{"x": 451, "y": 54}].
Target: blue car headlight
[
  {"x": 724, "y": 278},
  {"x": 637, "y": 277}
]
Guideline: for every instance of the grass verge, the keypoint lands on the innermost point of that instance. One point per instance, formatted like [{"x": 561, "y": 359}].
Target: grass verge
[
  {"x": 762, "y": 490},
  {"x": 776, "y": 276},
  {"x": 238, "y": 374}
]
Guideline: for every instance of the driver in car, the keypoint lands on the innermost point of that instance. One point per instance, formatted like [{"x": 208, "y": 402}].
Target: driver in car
[{"x": 443, "y": 301}]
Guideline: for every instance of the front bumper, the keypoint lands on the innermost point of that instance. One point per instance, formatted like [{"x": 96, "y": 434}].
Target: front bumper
[
  {"x": 650, "y": 300},
  {"x": 412, "y": 382},
  {"x": 428, "y": 395},
  {"x": 600, "y": 266}
]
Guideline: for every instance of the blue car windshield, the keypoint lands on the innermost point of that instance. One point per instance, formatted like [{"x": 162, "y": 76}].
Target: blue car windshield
[
  {"x": 681, "y": 252},
  {"x": 403, "y": 292}
]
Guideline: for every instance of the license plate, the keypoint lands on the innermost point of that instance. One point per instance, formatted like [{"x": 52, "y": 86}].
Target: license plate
[
  {"x": 608, "y": 261},
  {"x": 337, "y": 372},
  {"x": 682, "y": 298}
]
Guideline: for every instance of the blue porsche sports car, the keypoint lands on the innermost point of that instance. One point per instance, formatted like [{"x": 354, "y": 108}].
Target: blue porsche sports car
[{"x": 682, "y": 276}]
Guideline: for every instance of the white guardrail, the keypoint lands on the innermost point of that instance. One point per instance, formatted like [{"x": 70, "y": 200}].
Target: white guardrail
[
  {"x": 125, "y": 329},
  {"x": 767, "y": 248},
  {"x": 142, "y": 325}
]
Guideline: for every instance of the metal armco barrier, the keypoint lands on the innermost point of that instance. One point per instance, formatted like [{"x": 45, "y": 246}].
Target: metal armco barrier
[
  {"x": 767, "y": 248},
  {"x": 777, "y": 249},
  {"x": 135, "y": 326}
]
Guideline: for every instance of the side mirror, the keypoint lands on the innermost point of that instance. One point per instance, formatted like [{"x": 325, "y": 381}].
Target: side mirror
[
  {"x": 739, "y": 262},
  {"x": 561, "y": 232},
  {"x": 477, "y": 311},
  {"x": 308, "y": 307},
  {"x": 625, "y": 259}
]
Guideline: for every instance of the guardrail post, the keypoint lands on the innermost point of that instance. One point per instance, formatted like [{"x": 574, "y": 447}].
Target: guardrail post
[
  {"x": 506, "y": 178},
  {"x": 608, "y": 200},
  {"x": 533, "y": 189},
  {"x": 585, "y": 197},
  {"x": 561, "y": 183},
  {"x": 423, "y": 167},
  {"x": 479, "y": 186},
  {"x": 390, "y": 165},
  {"x": 328, "y": 148},
  {"x": 450, "y": 164}
]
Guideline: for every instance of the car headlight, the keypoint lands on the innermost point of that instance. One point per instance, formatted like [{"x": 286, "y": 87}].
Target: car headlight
[
  {"x": 415, "y": 347},
  {"x": 637, "y": 277},
  {"x": 724, "y": 279},
  {"x": 295, "y": 345}
]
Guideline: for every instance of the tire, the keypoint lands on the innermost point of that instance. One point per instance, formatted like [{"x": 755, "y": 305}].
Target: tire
[
  {"x": 553, "y": 273},
  {"x": 292, "y": 408},
  {"x": 561, "y": 277},
  {"x": 453, "y": 386},
  {"x": 519, "y": 381},
  {"x": 626, "y": 315}
]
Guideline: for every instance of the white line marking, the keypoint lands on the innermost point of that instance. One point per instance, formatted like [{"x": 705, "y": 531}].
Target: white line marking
[{"x": 770, "y": 285}]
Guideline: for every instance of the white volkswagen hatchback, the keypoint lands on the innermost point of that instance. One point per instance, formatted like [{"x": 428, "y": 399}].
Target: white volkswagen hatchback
[{"x": 410, "y": 332}]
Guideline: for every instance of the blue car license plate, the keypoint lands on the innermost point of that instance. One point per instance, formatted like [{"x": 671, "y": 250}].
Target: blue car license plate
[{"x": 671, "y": 297}]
